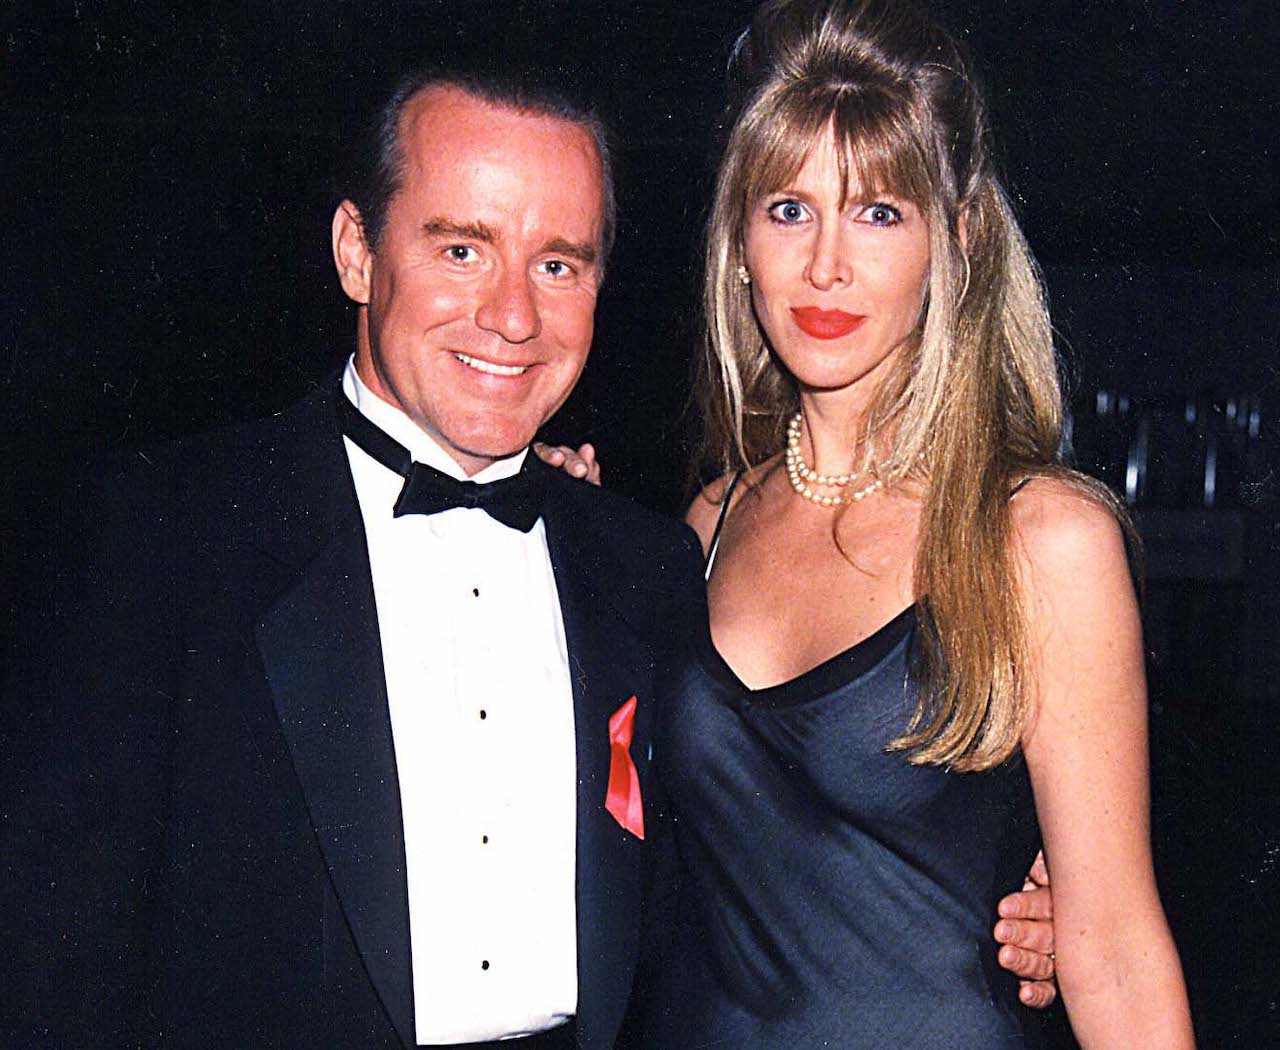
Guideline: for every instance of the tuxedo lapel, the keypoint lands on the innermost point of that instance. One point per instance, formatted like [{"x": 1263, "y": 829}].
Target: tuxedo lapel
[
  {"x": 320, "y": 647},
  {"x": 608, "y": 663}
]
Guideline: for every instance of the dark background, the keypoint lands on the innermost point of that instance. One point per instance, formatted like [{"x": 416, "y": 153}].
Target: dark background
[{"x": 167, "y": 190}]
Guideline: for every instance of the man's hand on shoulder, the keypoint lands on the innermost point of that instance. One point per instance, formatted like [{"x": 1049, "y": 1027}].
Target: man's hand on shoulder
[{"x": 580, "y": 464}]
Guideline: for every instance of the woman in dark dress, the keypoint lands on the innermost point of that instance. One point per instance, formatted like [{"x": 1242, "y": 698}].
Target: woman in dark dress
[{"x": 923, "y": 633}]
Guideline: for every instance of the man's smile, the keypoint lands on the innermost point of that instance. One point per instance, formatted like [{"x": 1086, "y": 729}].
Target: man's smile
[{"x": 489, "y": 366}]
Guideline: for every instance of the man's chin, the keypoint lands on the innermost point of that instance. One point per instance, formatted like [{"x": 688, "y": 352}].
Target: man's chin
[{"x": 474, "y": 456}]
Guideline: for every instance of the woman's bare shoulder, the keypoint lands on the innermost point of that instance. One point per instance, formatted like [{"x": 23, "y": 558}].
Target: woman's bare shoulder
[
  {"x": 1064, "y": 529},
  {"x": 704, "y": 512}
]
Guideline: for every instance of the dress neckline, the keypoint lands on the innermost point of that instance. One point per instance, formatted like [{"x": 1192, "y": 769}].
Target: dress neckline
[{"x": 819, "y": 680}]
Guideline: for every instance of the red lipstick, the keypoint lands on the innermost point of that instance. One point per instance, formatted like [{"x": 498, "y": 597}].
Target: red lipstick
[{"x": 825, "y": 324}]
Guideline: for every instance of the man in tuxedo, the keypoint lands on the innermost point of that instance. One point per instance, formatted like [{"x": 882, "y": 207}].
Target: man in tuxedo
[
  {"x": 333, "y": 730},
  {"x": 302, "y": 770}
]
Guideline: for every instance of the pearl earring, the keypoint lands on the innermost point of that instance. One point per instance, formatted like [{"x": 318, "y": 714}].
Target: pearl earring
[{"x": 743, "y": 275}]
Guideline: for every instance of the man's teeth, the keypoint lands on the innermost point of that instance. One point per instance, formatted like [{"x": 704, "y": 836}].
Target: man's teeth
[{"x": 490, "y": 367}]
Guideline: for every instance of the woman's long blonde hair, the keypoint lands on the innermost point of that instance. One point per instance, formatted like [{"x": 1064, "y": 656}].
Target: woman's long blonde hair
[{"x": 975, "y": 403}]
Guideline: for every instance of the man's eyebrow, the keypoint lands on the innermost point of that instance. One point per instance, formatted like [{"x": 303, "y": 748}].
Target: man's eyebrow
[
  {"x": 467, "y": 231},
  {"x": 581, "y": 251}
]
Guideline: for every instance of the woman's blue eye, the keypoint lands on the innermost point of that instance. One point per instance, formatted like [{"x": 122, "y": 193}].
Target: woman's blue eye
[
  {"x": 787, "y": 211},
  {"x": 883, "y": 215}
]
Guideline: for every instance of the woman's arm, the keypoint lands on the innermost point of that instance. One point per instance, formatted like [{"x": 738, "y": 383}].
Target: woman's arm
[{"x": 1086, "y": 750}]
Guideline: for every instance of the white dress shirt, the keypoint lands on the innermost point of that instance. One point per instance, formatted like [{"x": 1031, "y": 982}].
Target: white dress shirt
[{"x": 482, "y": 717}]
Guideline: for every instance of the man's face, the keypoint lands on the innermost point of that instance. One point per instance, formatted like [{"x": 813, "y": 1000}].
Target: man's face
[{"x": 479, "y": 300}]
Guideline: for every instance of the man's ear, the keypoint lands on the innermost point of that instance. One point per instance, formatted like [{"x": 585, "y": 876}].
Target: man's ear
[{"x": 351, "y": 253}]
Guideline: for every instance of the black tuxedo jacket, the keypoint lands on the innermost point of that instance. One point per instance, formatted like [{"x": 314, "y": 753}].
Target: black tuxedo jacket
[{"x": 201, "y": 841}]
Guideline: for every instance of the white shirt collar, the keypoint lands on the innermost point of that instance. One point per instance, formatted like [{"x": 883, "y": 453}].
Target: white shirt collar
[{"x": 422, "y": 447}]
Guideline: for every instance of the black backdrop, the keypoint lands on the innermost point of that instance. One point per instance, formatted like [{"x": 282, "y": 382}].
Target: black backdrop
[{"x": 167, "y": 178}]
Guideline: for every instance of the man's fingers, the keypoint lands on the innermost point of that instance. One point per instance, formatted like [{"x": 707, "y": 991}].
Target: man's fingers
[
  {"x": 1022, "y": 933},
  {"x": 580, "y": 464},
  {"x": 1030, "y": 966},
  {"x": 1027, "y": 904},
  {"x": 550, "y": 455},
  {"x": 1039, "y": 873},
  {"x": 591, "y": 466},
  {"x": 1038, "y": 994}
]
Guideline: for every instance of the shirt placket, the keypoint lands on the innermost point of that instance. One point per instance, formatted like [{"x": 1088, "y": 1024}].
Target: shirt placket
[{"x": 480, "y": 713}]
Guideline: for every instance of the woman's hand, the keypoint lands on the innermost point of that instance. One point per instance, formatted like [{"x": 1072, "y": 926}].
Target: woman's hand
[
  {"x": 581, "y": 464},
  {"x": 1025, "y": 933}
]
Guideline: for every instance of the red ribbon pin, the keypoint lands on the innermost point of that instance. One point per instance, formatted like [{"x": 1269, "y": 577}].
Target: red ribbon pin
[{"x": 623, "y": 799}]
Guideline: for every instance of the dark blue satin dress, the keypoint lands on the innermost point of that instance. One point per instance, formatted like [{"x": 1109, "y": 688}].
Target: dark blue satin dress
[{"x": 833, "y": 895}]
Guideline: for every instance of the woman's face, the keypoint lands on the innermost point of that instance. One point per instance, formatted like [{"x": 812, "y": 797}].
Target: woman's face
[{"x": 837, "y": 285}]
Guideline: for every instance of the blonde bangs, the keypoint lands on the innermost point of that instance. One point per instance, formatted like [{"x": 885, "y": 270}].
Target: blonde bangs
[{"x": 879, "y": 149}]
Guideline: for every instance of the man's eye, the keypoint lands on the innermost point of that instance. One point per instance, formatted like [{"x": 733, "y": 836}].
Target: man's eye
[
  {"x": 460, "y": 253},
  {"x": 882, "y": 214},
  {"x": 556, "y": 268},
  {"x": 787, "y": 212}
]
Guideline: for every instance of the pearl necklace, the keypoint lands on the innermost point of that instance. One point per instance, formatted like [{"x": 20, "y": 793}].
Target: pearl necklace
[{"x": 802, "y": 475}]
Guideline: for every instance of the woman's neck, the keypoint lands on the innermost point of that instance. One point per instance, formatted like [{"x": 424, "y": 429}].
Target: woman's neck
[{"x": 833, "y": 433}]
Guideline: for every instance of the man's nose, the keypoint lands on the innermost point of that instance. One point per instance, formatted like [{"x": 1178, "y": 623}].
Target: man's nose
[{"x": 509, "y": 308}]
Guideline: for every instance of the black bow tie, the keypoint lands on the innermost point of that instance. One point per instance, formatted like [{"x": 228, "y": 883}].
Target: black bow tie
[{"x": 516, "y": 501}]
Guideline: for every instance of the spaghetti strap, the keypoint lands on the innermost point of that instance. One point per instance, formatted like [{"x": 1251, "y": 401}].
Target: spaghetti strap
[
  {"x": 724, "y": 513},
  {"x": 1020, "y": 486}
]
